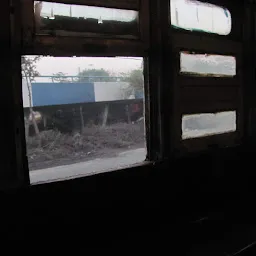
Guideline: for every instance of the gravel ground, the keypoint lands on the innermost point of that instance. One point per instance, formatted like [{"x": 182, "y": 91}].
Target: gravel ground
[{"x": 95, "y": 142}]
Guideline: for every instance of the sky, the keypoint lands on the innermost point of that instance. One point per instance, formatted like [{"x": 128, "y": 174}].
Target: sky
[
  {"x": 190, "y": 15},
  {"x": 71, "y": 65},
  {"x": 204, "y": 16},
  {"x": 88, "y": 12}
]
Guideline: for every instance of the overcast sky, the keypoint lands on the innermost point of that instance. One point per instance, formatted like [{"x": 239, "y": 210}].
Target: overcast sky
[
  {"x": 205, "y": 17},
  {"x": 70, "y": 66},
  {"x": 88, "y": 12}
]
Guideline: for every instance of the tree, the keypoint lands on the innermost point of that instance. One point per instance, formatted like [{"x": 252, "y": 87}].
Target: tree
[
  {"x": 136, "y": 82},
  {"x": 136, "y": 79},
  {"x": 89, "y": 75},
  {"x": 29, "y": 72},
  {"x": 60, "y": 77}
]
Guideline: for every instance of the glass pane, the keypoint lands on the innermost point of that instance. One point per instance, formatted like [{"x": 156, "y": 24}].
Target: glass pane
[
  {"x": 198, "y": 16},
  {"x": 66, "y": 19},
  {"x": 207, "y": 65},
  {"x": 82, "y": 115},
  {"x": 200, "y": 125}
]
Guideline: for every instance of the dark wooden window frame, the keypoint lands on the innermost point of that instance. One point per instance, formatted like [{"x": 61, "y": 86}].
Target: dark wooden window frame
[
  {"x": 226, "y": 93},
  {"x": 157, "y": 46},
  {"x": 27, "y": 43},
  {"x": 88, "y": 45}
]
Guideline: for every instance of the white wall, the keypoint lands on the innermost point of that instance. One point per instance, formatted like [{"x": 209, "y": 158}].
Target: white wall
[
  {"x": 25, "y": 94},
  {"x": 107, "y": 91}
]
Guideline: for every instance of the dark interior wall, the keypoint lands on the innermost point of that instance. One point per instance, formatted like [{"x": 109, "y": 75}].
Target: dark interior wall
[
  {"x": 8, "y": 155},
  {"x": 143, "y": 206}
]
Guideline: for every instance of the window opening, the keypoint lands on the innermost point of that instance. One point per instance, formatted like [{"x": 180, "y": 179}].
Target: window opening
[
  {"x": 207, "y": 65},
  {"x": 197, "y": 16},
  {"x": 83, "y": 115},
  {"x": 67, "y": 19},
  {"x": 201, "y": 125}
]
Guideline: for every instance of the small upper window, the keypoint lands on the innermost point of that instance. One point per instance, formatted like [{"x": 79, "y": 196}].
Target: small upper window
[
  {"x": 67, "y": 20},
  {"x": 197, "y": 16}
]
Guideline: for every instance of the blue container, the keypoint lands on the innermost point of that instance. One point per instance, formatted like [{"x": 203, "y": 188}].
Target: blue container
[{"x": 45, "y": 94}]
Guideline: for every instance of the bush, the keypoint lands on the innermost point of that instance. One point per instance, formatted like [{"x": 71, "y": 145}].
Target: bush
[{"x": 55, "y": 144}]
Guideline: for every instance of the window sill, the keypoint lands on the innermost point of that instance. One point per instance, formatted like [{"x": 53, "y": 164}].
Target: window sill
[{"x": 70, "y": 173}]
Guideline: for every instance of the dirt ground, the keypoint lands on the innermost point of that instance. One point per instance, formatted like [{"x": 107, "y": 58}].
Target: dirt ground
[{"x": 94, "y": 142}]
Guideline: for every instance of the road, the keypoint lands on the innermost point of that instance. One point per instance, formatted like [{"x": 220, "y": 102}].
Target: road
[{"x": 98, "y": 165}]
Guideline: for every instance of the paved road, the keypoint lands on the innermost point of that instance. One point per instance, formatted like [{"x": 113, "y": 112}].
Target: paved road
[{"x": 87, "y": 168}]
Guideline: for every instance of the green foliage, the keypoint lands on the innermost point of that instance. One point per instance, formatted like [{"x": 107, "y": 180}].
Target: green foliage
[
  {"x": 92, "y": 75},
  {"x": 28, "y": 66},
  {"x": 136, "y": 82},
  {"x": 136, "y": 79}
]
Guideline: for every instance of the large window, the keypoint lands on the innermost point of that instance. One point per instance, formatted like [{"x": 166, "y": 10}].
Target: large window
[
  {"x": 197, "y": 16},
  {"x": 82, "y": 68},
  {"x": 83, "y": 115}
]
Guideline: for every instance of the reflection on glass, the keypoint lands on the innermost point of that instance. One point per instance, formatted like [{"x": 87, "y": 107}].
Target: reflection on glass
[
  {"x": 82, "y": 115},
  {"x": 200, "y": 125},
  {"x": 195, "y": 15},
  {"x": 60, "y": 19},
  {"x": 207, "y": 65}
]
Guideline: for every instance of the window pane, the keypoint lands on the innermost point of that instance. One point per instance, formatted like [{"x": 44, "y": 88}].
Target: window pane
[
  {"x": 200, "y": 125},
  {"x": 195, "y": 15},
  {"x": 66, "y": 19},
  {"x": 207, "y": 65},
  {"x": 82, "y": 115}
]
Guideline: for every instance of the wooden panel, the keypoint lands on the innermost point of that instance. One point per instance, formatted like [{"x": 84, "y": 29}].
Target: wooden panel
[
  {"x": 222, "y": 140},
  {"x": 157, "y": 140},
  {"x": 8, "y": 156},
  {"x": 12, "y": 174},
  {"x": 27, "y": 22},
  {"x": 205, "y": 44},
  {"x": 144, "y": 21},
  {"x": 209, "y": 94},
  {"x": 218, "y": 82},
  {"x": 248, "y": 70},
  {"x": 46, "y": 45},
  {"x": 207, "y": 107}
]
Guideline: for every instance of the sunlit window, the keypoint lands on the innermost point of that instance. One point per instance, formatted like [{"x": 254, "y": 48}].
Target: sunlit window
[
  {"x": 201, "y": 125},
  {"x": 83, "y": 115},
  {"x": 207, "y": 65},
  {"x": 66, "y": 19},
  {"x": 197, "y": 16}
]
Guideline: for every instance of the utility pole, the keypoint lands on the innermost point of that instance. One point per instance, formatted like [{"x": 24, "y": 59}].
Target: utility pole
[{"x": 70, "y": 10}]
